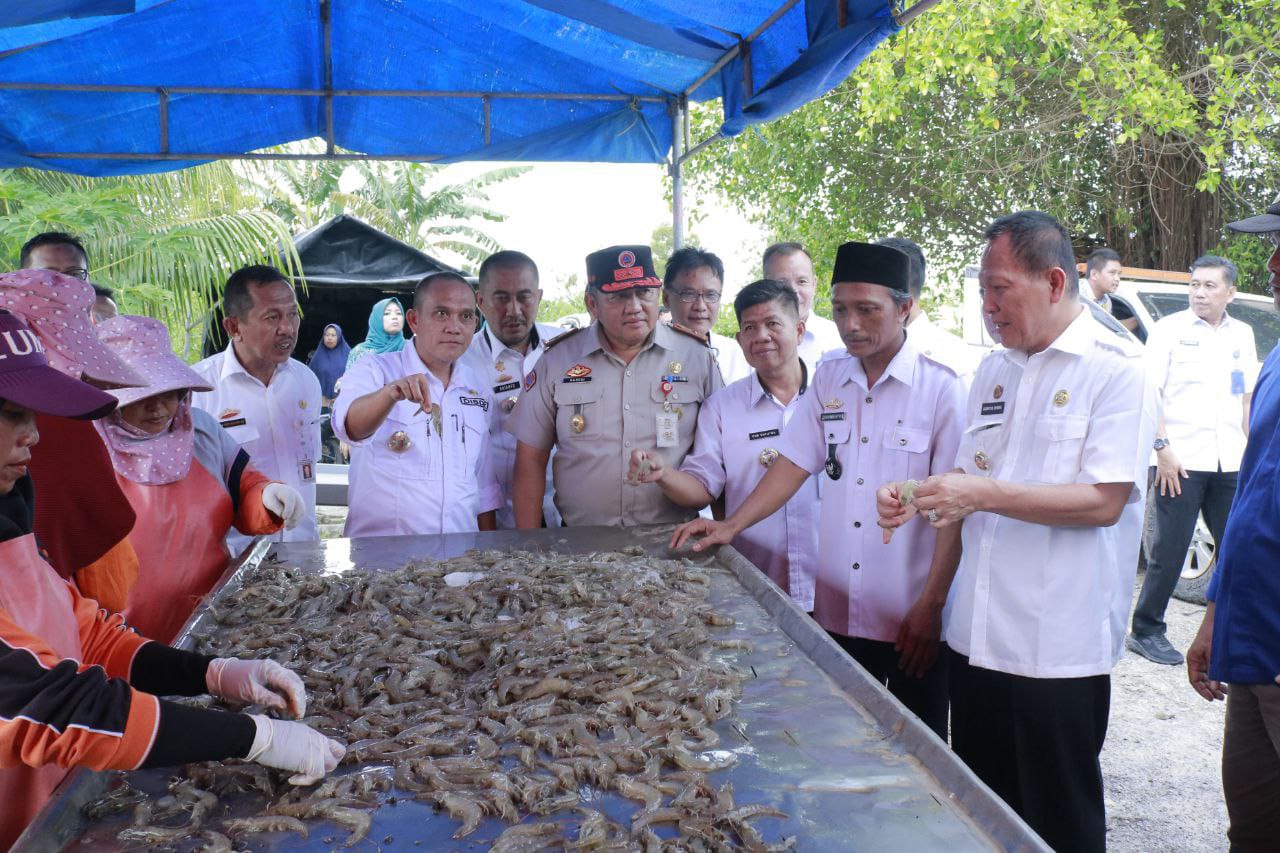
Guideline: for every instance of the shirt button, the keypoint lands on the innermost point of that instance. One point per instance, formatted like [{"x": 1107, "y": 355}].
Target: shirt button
[
  {"x": 870, "y": 400},
  {"x": 628, "y": 372},
  {"x": 626, "y": 444},
  {"x": 626, "y": 406},
  {"x": 857, "y": 566},
  {"x": 865, "y": 439},
  {"x": 859, "y": 481},
  {"x": 857, "y": 524}
]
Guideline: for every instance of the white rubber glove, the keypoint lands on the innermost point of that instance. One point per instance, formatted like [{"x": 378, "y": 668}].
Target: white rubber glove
[
  {"x": 258, "y": 682},
  {"x": 284, "y": 502},
  {"x": 309, "y": 755}
]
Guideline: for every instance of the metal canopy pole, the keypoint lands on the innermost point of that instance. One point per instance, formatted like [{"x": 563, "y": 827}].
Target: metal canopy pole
[{"x": 677, "y": 109}]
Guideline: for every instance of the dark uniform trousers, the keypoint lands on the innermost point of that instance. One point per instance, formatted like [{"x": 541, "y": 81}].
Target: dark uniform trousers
[
  {"x": 925, "y": 697},
  {"x": 1175, "y": 524},
  {"x": 1036, "y": 742}
]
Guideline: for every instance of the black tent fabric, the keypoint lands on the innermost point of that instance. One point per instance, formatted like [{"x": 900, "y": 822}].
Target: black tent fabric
[{"x": 347, "y": 266}]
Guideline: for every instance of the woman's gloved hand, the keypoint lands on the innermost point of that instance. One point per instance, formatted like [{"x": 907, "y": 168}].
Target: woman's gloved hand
[
  {"x": 295, "y": 747},
  {"x": 285, "y": 502},
  {"x": 258, "y": 682}
]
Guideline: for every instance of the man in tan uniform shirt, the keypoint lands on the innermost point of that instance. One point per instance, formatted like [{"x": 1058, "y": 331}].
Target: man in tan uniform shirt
[{"x": 623, "y": 382}]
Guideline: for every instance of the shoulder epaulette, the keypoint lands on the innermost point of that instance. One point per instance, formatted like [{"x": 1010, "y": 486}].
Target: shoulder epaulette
[
  {"x": 562, "y": 337},
  {"x": 705, "y": 340},
  {"x": 933, "y": 359}
]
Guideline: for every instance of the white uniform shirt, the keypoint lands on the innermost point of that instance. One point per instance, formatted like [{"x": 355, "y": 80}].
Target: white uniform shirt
[
  {"x": 821, "y": 336},
  {"x": 940, "y": 345},
  {"x": 1201, "y": 375},
  {"x": 406, "y": 478},
  {"x": 735, "y": 426},
  {"x": 733, "y": 364},
  {"x": 277, "y": 424},
  {"x": 1052, "y": 601},
  {"x": 905, "y": 427},
  {"x": 503, "y": 370}
]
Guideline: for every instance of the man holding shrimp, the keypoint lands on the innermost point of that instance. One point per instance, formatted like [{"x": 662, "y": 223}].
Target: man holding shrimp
[{"x": 1050, "y": 486}]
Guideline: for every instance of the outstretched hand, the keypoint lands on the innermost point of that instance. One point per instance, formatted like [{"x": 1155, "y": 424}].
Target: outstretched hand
[{"x": 712, "y": 532}]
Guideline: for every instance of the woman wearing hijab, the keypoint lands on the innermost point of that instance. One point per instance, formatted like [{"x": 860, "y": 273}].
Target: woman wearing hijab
[
  {"x": 386, "y": 330},
  {"x": 78, "y": 688},
  {"x": 329, "y": 362},
  {"x": 186, "y": 478},
  {"x": 83, "y": 519}
]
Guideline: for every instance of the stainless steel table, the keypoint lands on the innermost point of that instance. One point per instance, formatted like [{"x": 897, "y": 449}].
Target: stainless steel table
[{"x": 814, "y": 735}]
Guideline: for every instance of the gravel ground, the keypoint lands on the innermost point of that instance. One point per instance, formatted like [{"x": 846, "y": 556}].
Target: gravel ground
[{"x": 1160, "y": 764}]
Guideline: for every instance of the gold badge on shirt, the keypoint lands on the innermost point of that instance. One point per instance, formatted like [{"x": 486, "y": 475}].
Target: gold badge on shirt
[
  {"x": 1061, "y": 398},
  {"x": 577, "y": 422},
  {"x": 998, "y": 392},
  {"x": 768, "y": 456},
  {"x": 399, "y": 441},
  {"x": 675, "y": 368},
  {"x": 982, "y": 461},
  {"x": 499, "y": 366},
  {"x": 833, "y": 403}
]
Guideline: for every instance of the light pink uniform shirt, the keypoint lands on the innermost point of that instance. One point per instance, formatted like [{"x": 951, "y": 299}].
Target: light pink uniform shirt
[
  {"x": 407, "y": 478},
  {"x": 735, "y": 426},
  {"x": 907, "y": 426}
]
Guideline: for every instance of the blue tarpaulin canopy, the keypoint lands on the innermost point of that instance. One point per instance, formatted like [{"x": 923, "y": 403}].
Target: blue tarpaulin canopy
[{"x": 103, "y": 87}]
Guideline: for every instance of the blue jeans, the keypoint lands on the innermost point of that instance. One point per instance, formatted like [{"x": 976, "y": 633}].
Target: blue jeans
[{"x": 1175, "y": 523}]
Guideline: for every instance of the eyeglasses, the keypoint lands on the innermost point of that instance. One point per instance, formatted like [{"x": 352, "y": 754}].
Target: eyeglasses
[
  {"x": 77, "y": 272},
  {"x": 642, "y": 294},
  {"x": 708, "y": 297}
]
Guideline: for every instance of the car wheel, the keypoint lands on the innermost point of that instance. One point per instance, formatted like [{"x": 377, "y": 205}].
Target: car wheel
[{"x": 1197, "y": 570}]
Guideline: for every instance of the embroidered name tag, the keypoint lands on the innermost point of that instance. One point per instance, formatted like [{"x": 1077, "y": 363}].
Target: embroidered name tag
[
  {"x": 572, "y": 379},
  {"x": 234, "y": 422},
  {"x": 502, "y": 389},
  {"x": 993, "y": 408},
  {"x": 475, "y": 401},
  {"x": 764, "y": 433},
  {"x": 833, "y": 416}
]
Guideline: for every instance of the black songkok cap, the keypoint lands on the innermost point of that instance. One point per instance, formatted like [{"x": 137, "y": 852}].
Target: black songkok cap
[
  {"x": 873, "y": 264},
  {"x": 621, "y": 268}
]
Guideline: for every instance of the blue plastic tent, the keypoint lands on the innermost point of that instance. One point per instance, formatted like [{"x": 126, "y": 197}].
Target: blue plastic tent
[{"x": 104, "y": 87}]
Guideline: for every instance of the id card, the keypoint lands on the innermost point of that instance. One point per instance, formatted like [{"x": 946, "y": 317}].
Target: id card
[
  {"x": 667, "y": 429},
  {"x": 1237, "y": 381},
  {"x": 307, "y": 469}
]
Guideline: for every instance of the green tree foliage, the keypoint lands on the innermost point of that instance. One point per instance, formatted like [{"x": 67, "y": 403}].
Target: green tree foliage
[
  {"x": 165, "y": 242},
  {"x": 413, "y": 202},
  {"x": 1142, "y": 124}
]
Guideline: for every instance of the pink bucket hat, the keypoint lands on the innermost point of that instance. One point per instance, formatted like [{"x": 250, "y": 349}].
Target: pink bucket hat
[
  {"x": 56, "y": 308},
  {"x": 142, "y": 343}
]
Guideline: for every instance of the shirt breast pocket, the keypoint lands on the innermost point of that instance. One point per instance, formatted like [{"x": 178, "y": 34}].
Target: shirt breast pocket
[
  {"x": 1062, "y": 439},
  {"x": 246, "y": 436},
  {"x": 685, "y": 398},
  {"x": 400, "y": 448},
  {"x": 835, "y": 437},
  {"x": 980, "y": 447},
  {"x": 907, "y": 453},
  {"x": 578, "y": 410}
]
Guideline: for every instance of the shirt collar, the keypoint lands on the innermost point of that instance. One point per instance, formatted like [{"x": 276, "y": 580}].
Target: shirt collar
[
  {"x": 902, "y": 367},
  {"x": 413, "y": 363},
  {"x": 756, "y": 392},
  {"x": 1197, "y": 320},
  {"x": 659, "y": 337},
  {"x": 231, "y": 365},
  {"x": 497, "y": 347},
  {"x": 1075, "y": 339}
]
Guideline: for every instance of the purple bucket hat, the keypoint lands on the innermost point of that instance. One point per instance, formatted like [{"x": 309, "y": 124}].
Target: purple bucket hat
[
  {"x": 56, "y": 308},
  {"x": 27, "y": 379},
  {"x": 142, "y": 343}
]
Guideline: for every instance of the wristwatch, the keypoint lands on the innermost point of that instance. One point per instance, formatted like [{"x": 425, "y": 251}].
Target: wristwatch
[{"x": 1160, "y": 444}]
